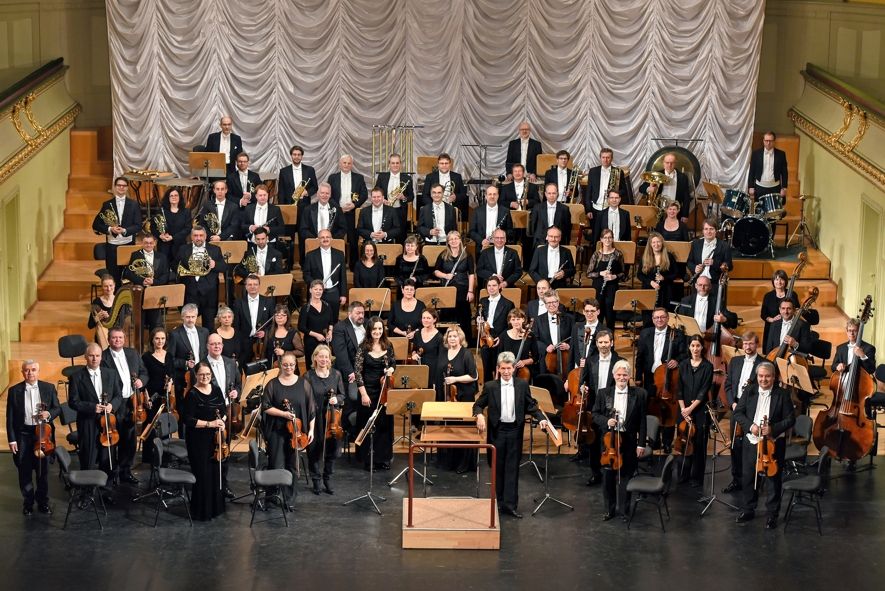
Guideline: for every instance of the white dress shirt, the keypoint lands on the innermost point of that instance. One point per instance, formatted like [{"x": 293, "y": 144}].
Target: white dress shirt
[
  {"x": 95, "y": 377},
  {"x": 260, "y": 215},
  {"x": 377, "y": 218},
  {"x": 767, "y": 165},
  {"x": 326, "y": 260},
  {"x": 490, "y": 313},
  {"x": 499, "y": 260},
  {"x": 620, "y": 407},
  {"x": 604, "y": 179},
  {"x": 323, "y": 217},
  {"x": 746, "y": 374},
  {"x": 785, "y": 329},
  {"x": 253, "y": 312},
  {"x": 439, "y": 219},
  {"x": 660, "y": 339},
  {"x": 346, "y": 189},
  {"x": 614, "y": 221},
  {"x": 244, "y": 181},
  {"x": 491, "y": 220},
  {"x": 219, "y": 210},
  {"x": 296, "y": 175},
  {"x": 194, "y": 340},
  {"x": 224, "y": 147},
  {"x": 124, "y": 371},
  {"x": 552, "y": 322},
  {"x": 119, "y": 206},
  {"x": 604, "y": 368},
  {"x": 523, "y": 151},
  {"x": 32, "y": 399},
  {"x": 261, "y": 259},
  {"x": 217, "y": 366},
  {"x": 561, "y": 182},
  {"x": 669, "y": 190},
  {"x": 700, "y": 311},
  {"x": 553, "y": 261},
  {"x": 508, "y": 402},
  {"x": 519, "y": 189},
  {"x": 360, "y": 332},
  {"x": 763, "y": 408},
  {"x": 551, "y": 214},
  {"x": 393, "y": 185}
]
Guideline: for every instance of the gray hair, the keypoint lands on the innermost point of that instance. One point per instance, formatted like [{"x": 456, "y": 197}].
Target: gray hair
[
  {"x": 187, "y": 308},
  {"x": 765, "y": 365},
  {"x": 622, "y": 363},
  {"x": 28, "y": 362},
  {"x": 506, "y": 357}
]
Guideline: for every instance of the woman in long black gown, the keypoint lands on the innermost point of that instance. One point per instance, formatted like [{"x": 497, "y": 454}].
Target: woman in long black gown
[
  {"x": 606, "y": 267},
  {"x": 695, "y": 384},
  {"x": 177, "y": 221},
  {"x": 411, "y": 264},
  {"x": 328, "y": 397},
  {"x": 159, "y": 364},
  {"x": 281, "y": 337},
  {"x": 202, "y": 408},
  {"x": 459, "y": 369},
  {"x": 657, "y": 271},
  {"x": 405, "y": 313},
  {"x": 315, "y": 320},
  {"x": 374, "y": 359},
  {"x": 369, "y": 272},
  {"x": 426, "y": 347},
  {"x": 458, "y": 270}
]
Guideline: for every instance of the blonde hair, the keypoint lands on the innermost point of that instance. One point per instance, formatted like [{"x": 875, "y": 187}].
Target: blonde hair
[
  {"x": 648, "y": 257},
  {"x": 457, "y": 330},
  {"x": 320, "y": 349}
]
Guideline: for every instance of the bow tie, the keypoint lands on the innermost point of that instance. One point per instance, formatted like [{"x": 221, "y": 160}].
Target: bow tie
[{"x": 620, "y": 391}]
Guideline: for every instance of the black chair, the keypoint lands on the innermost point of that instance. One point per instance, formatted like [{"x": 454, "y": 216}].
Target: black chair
[
  {"x": 652, "y": 427},
  {"x": 797, "y": 449},
  {"x": 264, "y": 480},
  {"x": 68, "y": 417},
  {"x": 821, "y": 350},
  {"x": 652, "y": 490},
  {"x": 71, "y": 346},
  {"x": 808, "y": 490},
  {"x": 167, "y": 425},
  {"x": 171, "y": 482},
  {"x": 84, "y": 485}
]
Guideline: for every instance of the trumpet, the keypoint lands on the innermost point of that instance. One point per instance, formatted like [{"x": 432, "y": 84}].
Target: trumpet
[
  {"x": 109, "y": 217},
  {"x": 300, "y": 189},
  {"x": 198, "y": 265},
  {"x": 142, "y": 269},
  {"x": 394, "y": 196}
]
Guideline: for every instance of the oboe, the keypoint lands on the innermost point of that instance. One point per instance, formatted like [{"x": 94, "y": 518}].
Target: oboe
[{"x": 608, "y": 269}]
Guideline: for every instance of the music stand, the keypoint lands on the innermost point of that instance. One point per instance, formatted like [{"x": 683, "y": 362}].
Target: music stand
[
  {"x": 793, "y": 375},
  {"x": 717, "y": 433},
  {"x": 163, "y": 297},
  {"x": 124, "y": 253},
  {"x": 514, "y": 294},
  {"x": 543, "y": 394},
  {"x": 277, "y": 286},
  {"x": 411, "y": 376},
  {"x": 206, "y": 166},
  {"x": 687, "y": 323},
  {"x": 431, "y": 252},
  {"x": 369, "y": 430},
  {"x": 545, "y": 403},
  {"x": 633, "y": 300},
  {"x": 289, "y": 214},
  {"x": 405, "y": 403},
  {"x": 369, "y": 296},
  {"x": 390, "y": 252},
  {"x": 437, "y": 297},
  {"x": 680, "y": 250},
  {"x": 520, "y": 219},
  {"x": 648, "y": 214},
  {"x": 578, "y": 294}
]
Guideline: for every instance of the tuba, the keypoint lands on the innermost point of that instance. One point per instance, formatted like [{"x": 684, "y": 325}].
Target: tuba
[
  {"x": 198, "y": 265},
  {"x": 299, "y": 190},
  {"x": 141, "y": 268}
]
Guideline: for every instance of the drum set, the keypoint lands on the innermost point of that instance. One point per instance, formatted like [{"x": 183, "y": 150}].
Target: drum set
[{"x": 748, "y": 224}]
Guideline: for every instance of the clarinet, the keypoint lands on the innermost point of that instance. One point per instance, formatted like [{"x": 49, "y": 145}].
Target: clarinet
[
  {"x": 658, "y": 288},
  {"x": 608, "y": 269},
  {"x": 455, "y": 266}
]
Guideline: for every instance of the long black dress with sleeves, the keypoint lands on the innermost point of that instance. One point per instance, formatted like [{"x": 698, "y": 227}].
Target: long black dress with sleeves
[
  {"x": 598, "y": 263},
  {"x": 157, "y": 372},
  {"x": 290, "y": 342},
  {"x": 401, "y": 319},
  {"x": 463, "y": 268},
  {"x": 311, "y": 319},
  {"x": 178, "y": 225},
  {"x": 371, "y": 277},
  {"x": 463, "y": 363},
  {"x": 369, "y": 370},
  {"x": 207, "y": 498},
  {"x": 680, "y": 234},
  {"x": 666, "y": 291},
  {"x": 404, "y": 269},
  {"x": 695, "y": 383},
  {"x": 507, "y": 343},
  {"x": 323, "y": 389},
  {"x": 300, "y": 398},
  {"x": 430, "y": 357}
]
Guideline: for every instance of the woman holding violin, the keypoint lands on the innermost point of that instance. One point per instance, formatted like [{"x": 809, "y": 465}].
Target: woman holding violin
[
  {"x": 315, "y": 320},
  {"x": 657, "y": 271},
  {"x": 426, "y": 346},
  {"x": 690, "y": 440},
  {"x": 291, "y": 416},
  {"x": 458, "y": 380},
  {"x": 606, "y": 269},
  {"x": 405, "y": 313},
  {"x": 204, "y": 410},
  {"x": 411, "y": 264},
  {"x": 514, "y": 340},
  {"x": 328, "y": 398},
  {"x": 160, "y": 367},
  {"x": 374, "y": 361},
  {"x": 281, "y": 337}
]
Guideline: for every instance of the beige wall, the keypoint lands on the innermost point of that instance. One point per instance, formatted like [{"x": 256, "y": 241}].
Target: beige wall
[{"x": 36, "y": 31}]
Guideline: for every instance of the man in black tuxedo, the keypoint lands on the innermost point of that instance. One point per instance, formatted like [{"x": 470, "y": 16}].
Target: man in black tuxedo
[
  {"x": 536, "y": 307},
  {"x": 708, "y": 254},
  {"x": 226, "y": 142},
  {"x": 437, "y": 218},
  {"x": 651, "y": 350},
  {"x": 613, "y": 218},
  {"x": 321, "y": 215},
  {"x": 508, "y": 400},
  {"x": 763, "y": 399},
  {"x": 251, "y": 314},
  {"x": 741, "y": 372},
  {"x": 523, "y": 151},
  {"x": 584, "y": 334},
  {"x": 456, "y": 195},
  {"x": 202, "y": 290},
  {"x": 156, "y": 273},
  {"x": 596, "y": 376},
  {"x": 327, "y": 264},
  {"x": 600, "y": 180},
  {"x": 348, "y": 194},
  {"x": 378, "y": 221},
  {"x": 552, "y": 262},
  {"x": 493, "y": 311},
  {"x": 622, "y": 408},
  {"x": 261, "y": 214},
  {"x": 519, "y": 193},
  {"x": 552, "y": 330},
  {"x": 347, "y": 335},
  {"x": 242, "y": 182},
  {"x": 676, "y": 190},
  {"x": 22, "y": 408},
  {"x": 499, "y": 261},
  {"x": 561, "y": 176},
  {"x": 119, "y": 220},
  {"x": 268, "y": 260},
  {"x": 129, "y": 367},
  {"x": 701, "y": 305},
  {"x": 769, "y": 166},
  {"x": 223, "y": 221},
  {"x": 84, "y": 396},
  {"x": 187, "y": 345},
  {"x": 390, "y": 181},
  {"x": 548, "y": 214},
  {"x": 851, "y": 350},
  {"x": 489, "y": 217},
  {"x": 226, "y": 376},
  {"x": 801, "y": 340},
  {"x": 293, "y": 176}
]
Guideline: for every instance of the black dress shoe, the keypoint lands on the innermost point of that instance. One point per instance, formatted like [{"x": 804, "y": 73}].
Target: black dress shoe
[
  {"x": 463, "y": 469},
  {"x": 771, "y": 522},
  {"x": 512, "y": 512},
  {"x": 44, "y": 508},
  {"x": 745, "y": 516},
  {"x": 594, "y": 479},
  {"x": 608, "y": 516},
  {"x": 327, "y": 488},
  {"x": 27, "y": 510},
  {"x": 732, "y": 487},
  {"x": 384, "y": 466},
  {"x": 316, "y": 487},
  {"x": 228, "y": 493},
  {"x": 130, "y": 478}
]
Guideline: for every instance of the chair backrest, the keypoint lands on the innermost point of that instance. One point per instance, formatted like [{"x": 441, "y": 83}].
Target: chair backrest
[
  {"x": 257, "y": 456},
  {"x": 158, "y": 452},
  {"x": 667, "y": 473},
  {"x": 68, "y": 415},
  {"x": 652, "y": 426},
  {"x": 72, "y": 345},
  {"x": 64, "y": 459},
  {"x": 166, "y": 425},
  {"x": 821, "y": 349},
  {"x": 803, "y": 427}
]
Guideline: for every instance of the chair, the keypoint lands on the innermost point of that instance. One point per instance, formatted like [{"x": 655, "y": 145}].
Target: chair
[
  {"x": 171, "y": 482},
  {"x": 71, "y": 346},
  {"x": 821, "y": 350},
  {"x": 656, "y": 487},
  {"x": 797, "y": 452},
  {"x": 83, "y": 484},
  {"x": 652, "y": 426},
  {"x": 68, "y": 418},
  {"x": 263, "y": 479},
  {"x": 166, "y": 426},
  {"x": 808, "y": 490}
]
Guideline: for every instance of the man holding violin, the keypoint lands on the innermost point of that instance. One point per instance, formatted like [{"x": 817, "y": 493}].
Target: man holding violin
[
  {"x": 225, "y": 375},
  {"x": 26, "y": 402}
]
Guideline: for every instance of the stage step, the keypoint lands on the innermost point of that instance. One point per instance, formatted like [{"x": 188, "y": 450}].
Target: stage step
[
  {"x": 99, "y": 182},
  {"x": 91, "y": 200},
  {"x": 68, "y": 280},
  {"x": 48, "y": 321},
  {"x": 75, "y": 244},
  {"x": 818, "y": 267}
]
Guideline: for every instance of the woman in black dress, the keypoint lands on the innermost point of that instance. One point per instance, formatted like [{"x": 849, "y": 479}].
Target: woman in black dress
[
  {"x": 455, "y": 267},
  {"x": 771, "y": 302},
  {"x": 287, "y": 388},
  {"x": 606, "y": 268},
  {"x": 315, "y": 320},
  {"x": 411, "y": 264},
  {"x": 203, "y": 409},
  {"x": 102, "y": 309},
  {"x": 458, "y": 369},
  {"x": 369, "y": 272},
  {"x": 328, "y": 398},
  {"x": 172, "y": 226},
  {"x": 671, "y": 227},
  {"x": 512, "y": 338},
  {"x": 426, "y": 346},
  {"x": 159, "y": 364},
  {"x": 374, "y": 359},
  {"x": 657, "y": 271},
  {"x": 405, "y": 313},
  {"x": 224, "y": 326},
  {"x": 282, "y": 337},
  {"x": 695, "y": 383}
]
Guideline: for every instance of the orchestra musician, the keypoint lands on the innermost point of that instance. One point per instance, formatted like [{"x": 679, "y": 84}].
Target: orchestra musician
[
  {"x": 780, "y": 331},
  {"x": 536, "y": 307},
  {"x": 326, "y": 265},
  {"x": 281, "y": 337},
  {"x": 702, "y": 307},
  {"x": 707, "y": 254},
  {"x": 652, "y": 348},
  {"x": 493, "y": 216},
  {"x": 103, "y": 307},
  {"x": 676, "y": 190},
  {"x": 494, "y": 309},
  {"x": 763, "y": 400},
  {"x": 606, "y": 269},
  {"x": 118, "y": 220},
  {"x": 508, "y": 400},
  {"x": 600, "y": 182},
  {"x": 268, "y": 260},
  {"x": 232, "y": 339},
  {"x": 499, "y": 261},
  {"x": 695, "y": 385},
  {"x": 227, "y": 214},
  {"x": 242, "y": 182},
  {"x": 551, "y": 213},
  {"x": 251, "y": 315},
  {"x": 405, "y": 313},
  {"x": 597, "y": 375},
  {"x": 454, "y": 266},
  {"x": 379, "y": 222},
  {"x": 520, "y": 193},
  {"x": 176, "y": 223},
  {"x": 512, "y": 338},
  {"x": 200, "y": 410},
  {"x": 261, "y": 214},
  {"x": 201, "y": 290},
  {"x": 225, "y": 377},
  {"x": 850, "y": 351},
  {"x": 226, "y": 142},
  {"x": 621, "y": 408},
  {"x": 584, "y": 333},
  {"x": 457, "y": 365},
  {"x": 319, "y": 216},
  {"x": 612, "y": 218},
  {"x": 390, "y": 181},
  {"x": 369, "y": 270},
  {"x": 443, "y": 175},
  {"x": 160, "y": 366},
  {"x": 523, "y": 151},
  {"x": 552, "y": 262},
  {"x": 328, "y": 392},
  {"x": 741, "y": 370},
  {"x": 768, "y": 165},
  {"x": 658, "y": 270},
  {"x": 411, "y": 264},
  {"x": 552, "y": 330},
  {"x": 347, "y": 336},
  {"x": 187, "y": 345},
  {"x": 292, "y": 176},
  {"x": 561, "y": 176},
  {"x": 426, "y": 346},
  {"x": 156, "y": 273},
  {"x": 374, "y": 360},
  {"x": 436, "y": 219},
  {"x": 771, "y": 303},
  {"x": 348, "y": 194},
  {"x": 316, "y": 319},
  {"x": 671, "y": 227},
  {"x": 26, "y": 402}
]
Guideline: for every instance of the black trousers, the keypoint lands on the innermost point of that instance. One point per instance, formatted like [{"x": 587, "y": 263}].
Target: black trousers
[
  {"x": 128, "y": 442},
  {"x": 774, "y": 484},
  {"x": 27, "y": 463},
  {"x": 614, "y": 492},
  {"x": 508, "y": 443},
  {"x": 592, "y": 451},
  {"x": 489, "y": 357}
]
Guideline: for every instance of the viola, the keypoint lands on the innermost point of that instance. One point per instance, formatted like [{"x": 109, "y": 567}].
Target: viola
[
  {"x": 139, "y": 401},
  {"x": 44, "y": 445},
  {"x": 222, "y": 450},
  {"x": 298, "y": 440},
  {"x": 557, "y": 360},
  {"x": 188, "y": 375},
  {"x": 611, "y": 448},
  {"x": 451, "y": 389},
  {"x": 235, "y": 417},
  {"x": 485, "y": 333},
  {"x": 386, "y": 384},
  {"x": 169, "y": 394},
  {"x": 411, "y": 348},
  {"x": 108, "y": 426},
  {"x": 334, "y": 430},
  {"x": 766, "y": 463}
]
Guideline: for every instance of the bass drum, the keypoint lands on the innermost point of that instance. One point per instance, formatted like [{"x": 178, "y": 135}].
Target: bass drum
[
  {"x": 751, "y": 236},
  {"x": 686, "y": 162}
]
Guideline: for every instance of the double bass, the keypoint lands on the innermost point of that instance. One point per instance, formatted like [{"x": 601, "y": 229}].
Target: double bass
[
  {"x": 719, "y": 336},
  {"x": 572, "y": 410},
  {"x": 664, "y": 404},
  {"x": 845, "y": 428}
]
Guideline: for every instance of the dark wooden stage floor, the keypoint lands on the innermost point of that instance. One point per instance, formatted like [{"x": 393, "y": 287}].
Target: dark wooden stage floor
[{"x": 338, "y": 547}]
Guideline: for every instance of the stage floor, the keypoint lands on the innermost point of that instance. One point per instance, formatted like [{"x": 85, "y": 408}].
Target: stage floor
[{"x": 335, "y": 546}]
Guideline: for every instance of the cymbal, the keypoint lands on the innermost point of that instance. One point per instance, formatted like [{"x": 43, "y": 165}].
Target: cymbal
[{"x": 658, "y": 178}]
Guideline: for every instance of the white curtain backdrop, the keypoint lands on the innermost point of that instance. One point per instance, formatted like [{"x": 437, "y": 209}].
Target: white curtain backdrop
[{"x": 320, "y": 73}]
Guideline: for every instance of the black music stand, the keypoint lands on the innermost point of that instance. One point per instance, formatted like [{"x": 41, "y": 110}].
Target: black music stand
[
  {"x": 369, "y": 431},
  {"x": 406, "y": 403},
  {"x": 717, "y": 433},
  {"x": 545, "y": 402}
]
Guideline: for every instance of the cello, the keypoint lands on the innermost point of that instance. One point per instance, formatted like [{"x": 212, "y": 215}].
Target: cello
[
  {"x": 523, "y": 372},
  {"x": 784, "y": 351},
  {"x": 845, "y": 428},
  {"x": 571, "y": 411},
  {"x": 667, "y": 385}
]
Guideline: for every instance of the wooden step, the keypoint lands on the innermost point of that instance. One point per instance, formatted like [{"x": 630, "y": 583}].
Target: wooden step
[
  {"x": 93, "y": 182},
  {"x": 68, "y": 280},
  {"x": 86, "y": 199},
  {"x": 48, "y": 321},
  {"x": 75, "y": 244},
  {"x": 818, "y": 267},
  {"x": 746, "y": 292},
  {"x": 79, "y": 218}
]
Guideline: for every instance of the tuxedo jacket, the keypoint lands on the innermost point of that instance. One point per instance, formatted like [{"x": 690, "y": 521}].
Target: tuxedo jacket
[
  {"x": 645, "y": 352},
  {"x": 389, "y": 223},
  {"x": 683, "y": 194},
  {"x": 130, "y": 220},
  {"x": 208, "y": 282},
  {"x": 756, "y": 165},
  {"x": 243, "y": 320},
  {"x": 459, "y": 190},
  {"x": 731, "y": 319},
  {"x": 524, "y": 404},
  {"x": 802, "y": 336},
  {"x": 562, "y": 219},
  {"x": 541, "y": 332},
  {"x": 345, "y": 345},
  {"x": 634, "y": 419},
  {"x": 82, "y": 397},
  {"x": 578, "y": 342},
  {"x": 383, "y": 179},
  {"x": 273, "y": 262},
  {"x": 180, "y": 349},
  {"x": 230, "y": 219},
  {"x": 600, "y": 223},
  {"x": 274, "y": 223},
  {"x": 231, "y": 376},
  {"x": 721, "y": 254},
  {"x": 511, "y": 268},
  {"x": 499, "y": 322},
  {"x": 235, "y": 188},
  {"x": 733, "y": 376},
  {"x": 514, "y": 155},
  {"x": 535, "y": 309},
  {"x": 313, "y": 268},
  {"x": 357, "y": 185},
  {"x": 869, "y": 364},
  {"x": 477, "y": 230},
  {"x": 780, "y": 412},
  {"x": 15, "y": 408},
  {"x": 425, "y": 220},
  {"x": 508, "y": 195},
  {"x": 286, "y": 185},
  {"x": 538, "y": 267},
  {"x": 213, "y": 143},
  {"x": 590, "y": 375},
  {"x": 136, "y": 366},
  {"x": 592, "y": 192},
  {"x": 309, "y": 221},
  {"x": 160, "y": 267},
  {"x": 552, "y": 176}
]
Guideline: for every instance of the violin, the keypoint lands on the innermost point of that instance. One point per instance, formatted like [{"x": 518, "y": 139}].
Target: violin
[
  {"x": 611, "y": 447},
  {"x": 766, "y": 464},
  {"x": 139, "y": 401},
  {"x": 386, "y": 384},
  {"x": 485, "y": 333},
  {"x": 298, "y": 439},
  {"x": 451, "y": 389},
  {"x": 188, "y": 375},
  {"x": 108, "y": 426},
  {"x": 683, "y": 440},
  {"x": 523, "y": 372},
  {"x": 222, "y": 450},
  {"x": 334, "y": 430},
  {"x": 169, "y": 394},
  {"x": 664, "y": 405},
  {"x": 557, "y": 360},
  {"x": 235, "y": 417},
  {"x": 43, "y": 442}
]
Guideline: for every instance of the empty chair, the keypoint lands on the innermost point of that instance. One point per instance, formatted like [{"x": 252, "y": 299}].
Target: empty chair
[
  {"x": 264, "y": 480},
  {"x": 84, "y": 485},
  {"x": 167, "y": 425},
  {"x": 808, "y": 490},
  {"x": 68, "y": 418},
  {"x": 71, "y": 346},
  {"x": 797, "y": 451},
  {"x": 171, "y": 482},
  {"x": 653, "y": 490},
  {"x": 652, "y": 426}
]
